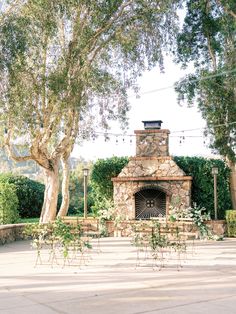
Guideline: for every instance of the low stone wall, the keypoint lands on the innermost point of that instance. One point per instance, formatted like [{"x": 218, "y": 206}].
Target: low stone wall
[
  {"x": 218, "y": 227},
  {"x": 11, "y": 233}
]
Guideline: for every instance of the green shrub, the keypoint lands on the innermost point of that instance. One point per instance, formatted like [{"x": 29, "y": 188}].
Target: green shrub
[
  {"x": 8, "y": 204},
  {"x": 102, "y": 186},
  {"x": 231, "y": 222},
  {"x": 202, "y": 185},
  {"x": 29, "y": 192},
  {"x": 198, "y": 167},
  {"x": 76, "y": 190}
]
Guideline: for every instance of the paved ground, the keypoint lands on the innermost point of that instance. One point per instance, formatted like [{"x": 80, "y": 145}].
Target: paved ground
[{"x": 111, "y": 283}]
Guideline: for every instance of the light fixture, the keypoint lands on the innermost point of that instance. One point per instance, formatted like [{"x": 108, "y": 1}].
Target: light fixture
[
  {"x": 215, "y": 172},
  {"x": 86, "y": 172}
]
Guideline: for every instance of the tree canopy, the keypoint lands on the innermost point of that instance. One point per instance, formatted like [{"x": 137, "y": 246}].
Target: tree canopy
[
  {"x": 207, "y": 41},
  {"x": 65, "y": 67}
]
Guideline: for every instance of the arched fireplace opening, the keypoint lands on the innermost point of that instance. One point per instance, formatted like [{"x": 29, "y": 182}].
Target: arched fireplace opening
[{"x": 150, "y": 202}]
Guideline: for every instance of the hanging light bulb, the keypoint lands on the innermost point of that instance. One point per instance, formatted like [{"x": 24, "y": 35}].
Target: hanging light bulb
[{"x": 106, "y": 137}]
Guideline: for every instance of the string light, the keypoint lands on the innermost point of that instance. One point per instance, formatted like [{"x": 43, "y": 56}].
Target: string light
[{"x": 183, "y": 136}]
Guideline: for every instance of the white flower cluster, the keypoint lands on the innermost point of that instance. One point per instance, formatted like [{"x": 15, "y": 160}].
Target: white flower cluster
[{"x": 195, "y": 213}]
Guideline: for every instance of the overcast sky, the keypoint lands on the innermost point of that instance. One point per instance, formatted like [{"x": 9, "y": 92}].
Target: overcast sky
[{"x": 158, "y": 101}]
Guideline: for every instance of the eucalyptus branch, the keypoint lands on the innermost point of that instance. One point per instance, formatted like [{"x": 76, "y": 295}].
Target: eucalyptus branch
[
  {"x": 99, "y": 48},
  {"x": 10, "y": 151},
  {"x": 39, "y": 153},
  {"x": 84, "y": 11},
  {"x": 60, "y": 147},
  {"x": 210, "y": 49},
  {"x": 62, "y": 37},
  {"x": 228, "y": 11},
  {"x": 12, "y": 7},
  {"x": 102, "y": 30},
  {"x": 51, "y": 117},
  {"x": 44, "y": 70},
  {"x": 71, "y": 133}
]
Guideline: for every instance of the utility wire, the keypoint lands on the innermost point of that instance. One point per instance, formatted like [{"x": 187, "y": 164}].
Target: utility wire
[
  {"x": 198, "y": 129},
  {"x": 191, "y": 81}
]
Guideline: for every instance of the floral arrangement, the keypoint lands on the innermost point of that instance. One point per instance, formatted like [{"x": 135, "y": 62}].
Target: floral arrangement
[{"x": 197, "y": 214}]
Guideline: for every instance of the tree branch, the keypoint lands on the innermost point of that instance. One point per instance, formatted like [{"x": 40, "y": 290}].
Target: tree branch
[
  {"x": 211, "y": 53},
  {"x": 8, "y": 146},
  {"x": 93, "y": 41},
  {"x": 228, "y": 11},
  {"x": 210, "y": 50},
  {"x": 11, "y": 8}
]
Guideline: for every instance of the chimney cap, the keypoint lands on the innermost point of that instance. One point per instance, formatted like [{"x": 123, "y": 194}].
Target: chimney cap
[{"x": 152, "y": 124}]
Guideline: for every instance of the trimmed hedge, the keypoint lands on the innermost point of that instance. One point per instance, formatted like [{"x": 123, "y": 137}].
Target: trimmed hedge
[
  {"x": 30, "y": 194},
  {"x": 102, "y": 172},
  {"x": 8, "y": 204},
  {"x": 198, "y": 167},
  {"x": 203, "y": 184},
  {"x": 102, "y": 187},
  {"x": 231, "y": 222}
]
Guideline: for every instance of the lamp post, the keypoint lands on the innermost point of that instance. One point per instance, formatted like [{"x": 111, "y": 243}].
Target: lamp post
[
  {"x": 214, "y": 172},
  {"x": 85, "y": 171}
]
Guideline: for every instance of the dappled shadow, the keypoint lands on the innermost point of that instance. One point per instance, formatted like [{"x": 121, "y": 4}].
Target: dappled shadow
[{"x": 110, "y": 283}]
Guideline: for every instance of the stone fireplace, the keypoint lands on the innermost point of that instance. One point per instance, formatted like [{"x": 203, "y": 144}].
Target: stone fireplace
[{"x": 151, "y": 181}]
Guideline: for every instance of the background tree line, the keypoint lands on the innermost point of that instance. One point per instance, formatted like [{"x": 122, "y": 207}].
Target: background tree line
[
  {"x": 29, "y": 193},
  {"x": 66, "y": 66}
]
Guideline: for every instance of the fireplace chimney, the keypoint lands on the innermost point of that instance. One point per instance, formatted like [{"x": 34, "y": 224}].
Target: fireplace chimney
[
  {"x": 152, "y": 141},
  {"x": 152, "y": 125}
]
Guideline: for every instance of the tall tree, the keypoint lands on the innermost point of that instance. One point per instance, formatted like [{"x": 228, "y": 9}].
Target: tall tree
[
  {"x": 66, "y": 65},
  {"x": 208, "y": 42}
]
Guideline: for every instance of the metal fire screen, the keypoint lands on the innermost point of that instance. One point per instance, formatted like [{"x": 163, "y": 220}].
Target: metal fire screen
[{"x": 150, "y": 203}]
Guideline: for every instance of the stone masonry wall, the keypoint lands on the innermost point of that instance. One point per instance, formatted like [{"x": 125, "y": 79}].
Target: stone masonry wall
[
  {"x": 152, "y": 143},
  {"x": 124, "y": 192},
  {"x": 10, "y": 233},
  {"x": 151, "y": 167}
]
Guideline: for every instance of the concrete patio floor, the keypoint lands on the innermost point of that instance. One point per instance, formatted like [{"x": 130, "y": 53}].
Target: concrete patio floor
[{"x": 111, "y": 283}]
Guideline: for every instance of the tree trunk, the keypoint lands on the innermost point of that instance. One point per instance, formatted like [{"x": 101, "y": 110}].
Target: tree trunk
[
  {"x": 232, "y": 166},
  {"x": 65, "y": 188},
  {"x": 51, "y": 194}
]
